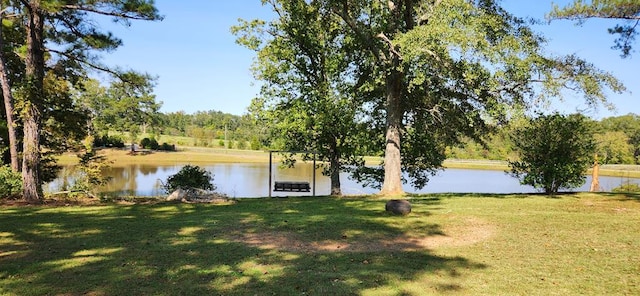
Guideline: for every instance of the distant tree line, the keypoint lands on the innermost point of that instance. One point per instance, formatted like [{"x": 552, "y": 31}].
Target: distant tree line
[
  {"x": 617, "y": 142},
  {"x": 213, "y": 128}
]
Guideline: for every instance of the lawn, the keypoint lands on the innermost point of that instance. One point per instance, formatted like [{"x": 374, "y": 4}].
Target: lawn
[{"x": 453, "y": 244}]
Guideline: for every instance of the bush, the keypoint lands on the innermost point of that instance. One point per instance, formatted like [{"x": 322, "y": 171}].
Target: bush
[
  {"x": 627, "y": 188},
  {"x": 189, "y": 178},
  {"x": 167, "y": 147},
  {"x": 555, "y": 152},
  {"x": 147, "y": 143},
  {"x": 108, "y": 141},
  {"x": 10, "y": 182}
]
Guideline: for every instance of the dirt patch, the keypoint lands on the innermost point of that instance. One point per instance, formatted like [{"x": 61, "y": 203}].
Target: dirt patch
[{"x": 466, "y": 232}]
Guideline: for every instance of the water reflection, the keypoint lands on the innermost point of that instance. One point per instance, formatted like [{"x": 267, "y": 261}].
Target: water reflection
[{"x": 252, "y": 180}]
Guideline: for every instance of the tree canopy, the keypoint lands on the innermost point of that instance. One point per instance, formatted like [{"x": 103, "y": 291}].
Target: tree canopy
[
  {"x": 303, "y": 59},
  {"x": 626, "y": 11},
  {"x": 425, "y": 74}
]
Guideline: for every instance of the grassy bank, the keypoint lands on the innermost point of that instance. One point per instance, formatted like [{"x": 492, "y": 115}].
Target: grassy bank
[
  {"x": 582, "y": 244},
  {"x": 121, "y": 157}
]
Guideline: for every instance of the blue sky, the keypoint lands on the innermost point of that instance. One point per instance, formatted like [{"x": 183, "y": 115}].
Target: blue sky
[{"x": 200, "y": 67}]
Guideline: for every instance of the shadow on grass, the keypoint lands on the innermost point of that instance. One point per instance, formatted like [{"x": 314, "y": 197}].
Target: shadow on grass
[
  {"x": 628, "y": 196},
  {"x": 171, "y": 249},
  {"x": 439, "y": 196}
]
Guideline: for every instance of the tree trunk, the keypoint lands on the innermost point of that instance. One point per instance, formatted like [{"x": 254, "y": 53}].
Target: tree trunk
[
  {"x": 392, "y": 184},
  {"x": 595, "y": 182},
  {"x": 334, "y": 175},
  {"x": 34, "y": 70},
  {"x": 8, "y": 106}
]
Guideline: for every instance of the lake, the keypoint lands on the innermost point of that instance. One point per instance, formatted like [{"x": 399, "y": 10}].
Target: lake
[{"x": 251, "y": 180}]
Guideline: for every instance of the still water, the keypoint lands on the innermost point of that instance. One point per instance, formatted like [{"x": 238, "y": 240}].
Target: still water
[{"x": 252, "y": 180}]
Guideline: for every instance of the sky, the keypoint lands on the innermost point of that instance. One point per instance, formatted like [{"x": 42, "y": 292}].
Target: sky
[{"x": 199, "y": 67}]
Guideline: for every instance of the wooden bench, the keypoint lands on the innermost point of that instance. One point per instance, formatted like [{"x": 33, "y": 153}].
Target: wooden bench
[{"x": 292, "y": 186}]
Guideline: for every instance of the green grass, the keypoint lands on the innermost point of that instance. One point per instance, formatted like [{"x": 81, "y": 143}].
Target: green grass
[{"x": 585, "y": 244}]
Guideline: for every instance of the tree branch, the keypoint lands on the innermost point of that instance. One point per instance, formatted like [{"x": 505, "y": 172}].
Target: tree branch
[
  {"x": 391, "y": 47},
  {"x": 107, "y": 13},
  {"x": 91, "y": 65},
  {"x": 368, "y": 42}
]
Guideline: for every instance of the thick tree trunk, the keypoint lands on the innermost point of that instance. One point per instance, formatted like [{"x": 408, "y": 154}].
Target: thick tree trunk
[
  {"x": 392, "y": 161},
  {"x": 32, "y": 190},
  {"x": 34, "y": 70},
  {"x": 8, "y": 106}
]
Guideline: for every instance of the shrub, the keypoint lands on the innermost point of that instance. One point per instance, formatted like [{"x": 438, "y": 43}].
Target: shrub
[
  {"x": 108, "y": 141},
  {"x": 149, "y": 143},
  {"x": 167, "y": 147},
  {"x": 555, "y": 151},
  {"x": 145, "y": 142},
  {"x": 627, "y": 188},
  {"x": 10, "y": 182},
  {"x": 189, "y": 178}
]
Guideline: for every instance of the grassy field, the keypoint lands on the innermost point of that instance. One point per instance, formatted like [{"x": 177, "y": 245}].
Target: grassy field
[{"x": 451, "y": 244}]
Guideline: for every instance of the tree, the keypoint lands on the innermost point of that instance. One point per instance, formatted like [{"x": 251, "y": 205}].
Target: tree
[
  {"x": 630, "y": 125},
  {"x": 614, "y": 148},
  {"x": 125, "y": 106},
  {"x": 627, "y": 11},
  {"x": 66, "y": 25},
  {"x": 303, "y": 61},
  {"x": 8, "y": 100},
  {"x": 434, "y": 71},
  {"x": 555, "y": 151}
]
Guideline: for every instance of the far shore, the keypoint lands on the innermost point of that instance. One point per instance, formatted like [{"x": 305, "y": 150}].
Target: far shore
[{"x": 198, "y": 155}]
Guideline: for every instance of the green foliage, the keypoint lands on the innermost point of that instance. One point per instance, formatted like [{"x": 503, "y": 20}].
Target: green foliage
[
  {"x": 167, "y": 147},
  {"x": 353, "y": 76},
  {"x": 628, "y": 124},
  {"x": 626, "y": 11},
  {"x": 109, "y": 141},
  {"x": 91, "y": 166},
  {"x": 53, "y": 57},
  {"x": 48, "y": 167},
  {"x": 613, "y": 148},
  {"x": 305, "y": 103},
  {"x": 150, "y": 143},
  {"x": 10, "y": 183},
  {"x": 627, "y": 188},
  {"x": 555, "y": 152},
  {"x": 124, "y": 106},
  {"x": 188, "y": 178}
]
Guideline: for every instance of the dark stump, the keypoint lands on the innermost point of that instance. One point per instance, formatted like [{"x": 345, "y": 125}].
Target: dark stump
[{"x": 398, "y": 207}]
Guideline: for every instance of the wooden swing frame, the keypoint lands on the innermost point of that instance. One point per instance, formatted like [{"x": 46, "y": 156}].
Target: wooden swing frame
[{"x": 289, "y": 186}]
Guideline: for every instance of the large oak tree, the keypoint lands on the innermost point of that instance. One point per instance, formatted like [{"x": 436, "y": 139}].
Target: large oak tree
[{"x": 448, "y": 67}]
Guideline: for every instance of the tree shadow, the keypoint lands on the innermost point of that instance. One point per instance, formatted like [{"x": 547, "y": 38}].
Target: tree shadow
[
  {"x": 624, "y": 196},
  {"x": 170, "y": 249}
]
